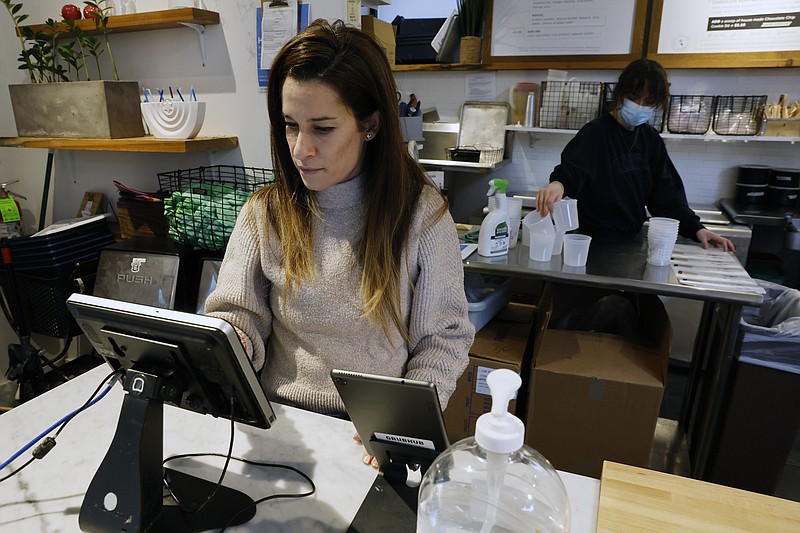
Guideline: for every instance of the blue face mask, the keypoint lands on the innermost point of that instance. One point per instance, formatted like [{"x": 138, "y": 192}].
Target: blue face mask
[{"x": 633, "y": 114}]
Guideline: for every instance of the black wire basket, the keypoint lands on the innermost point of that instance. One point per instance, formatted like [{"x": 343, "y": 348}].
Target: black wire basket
[
  {"x": 203, "y": 203},
  {"x": 738, "y": 115},
  {"x": 569, "y": 104},
  {"x": 690, "y": 114}
]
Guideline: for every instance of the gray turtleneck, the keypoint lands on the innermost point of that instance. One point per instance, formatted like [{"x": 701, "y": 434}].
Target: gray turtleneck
[{"x": 298, "y": 339}]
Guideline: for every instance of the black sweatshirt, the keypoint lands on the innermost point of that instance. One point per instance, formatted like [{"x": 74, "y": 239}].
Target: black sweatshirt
[{"x": 615, "y": 173}]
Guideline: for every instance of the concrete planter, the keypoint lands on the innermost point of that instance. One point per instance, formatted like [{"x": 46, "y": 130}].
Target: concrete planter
[{"x": 94, "y": 109}]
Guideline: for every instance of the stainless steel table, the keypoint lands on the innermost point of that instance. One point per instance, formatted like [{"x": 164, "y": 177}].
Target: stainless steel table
[{"x": 624, "y": 266}]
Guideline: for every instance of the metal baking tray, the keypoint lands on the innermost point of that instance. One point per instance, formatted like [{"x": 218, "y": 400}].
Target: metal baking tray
[{"x": 482, "y": 125}]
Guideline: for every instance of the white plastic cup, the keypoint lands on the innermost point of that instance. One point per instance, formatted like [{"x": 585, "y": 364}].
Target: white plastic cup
[
  {"x": 659, "y": 252},
  {"x": 558, "y": 245},
  {"x": 576, "y": 249},
  {"x": 565, "y": 214},
  {"x": 514, "y": 219},
  {"x": 541, "y": 248}
]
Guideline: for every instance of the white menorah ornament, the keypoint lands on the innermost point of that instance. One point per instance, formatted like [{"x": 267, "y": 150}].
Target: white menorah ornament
[{"x": 174, "y": 120}]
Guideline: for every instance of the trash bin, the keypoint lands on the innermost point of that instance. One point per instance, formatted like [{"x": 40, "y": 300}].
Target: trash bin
[{"x": 760, "y": 424}]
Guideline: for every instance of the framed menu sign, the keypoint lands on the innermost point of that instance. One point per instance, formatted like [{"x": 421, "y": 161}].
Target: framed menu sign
[
  {"x": 527, "y": 34},
  {"x": 725, "y": 33}
]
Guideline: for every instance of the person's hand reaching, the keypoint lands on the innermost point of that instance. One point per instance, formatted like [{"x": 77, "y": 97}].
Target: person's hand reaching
[
  {"x": 708, "y": 237},
  {"x": 547, "y": 197}
]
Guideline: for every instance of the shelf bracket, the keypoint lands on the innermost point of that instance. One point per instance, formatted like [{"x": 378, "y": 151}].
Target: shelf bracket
[{"x": 201, "y": 36}]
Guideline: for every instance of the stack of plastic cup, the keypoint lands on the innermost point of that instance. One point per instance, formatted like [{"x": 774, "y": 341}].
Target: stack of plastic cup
[
  {"x": 514, "y": 219},
  {"x": 565, "y": 214},
  {"x": 661, "y": 236},
  {"x": 541, "y": 236}
]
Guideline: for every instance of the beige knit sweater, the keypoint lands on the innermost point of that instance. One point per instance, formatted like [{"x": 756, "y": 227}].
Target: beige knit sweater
[{"x": 299, "y": 339}]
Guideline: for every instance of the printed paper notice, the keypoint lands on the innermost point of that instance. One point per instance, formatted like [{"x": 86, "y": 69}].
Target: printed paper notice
[
  {"x": 278, "y": 25},
  {"x": 480, "y": 87},
  {"x": 729, "y": 26},
  {"x": 562, "y": 27}
]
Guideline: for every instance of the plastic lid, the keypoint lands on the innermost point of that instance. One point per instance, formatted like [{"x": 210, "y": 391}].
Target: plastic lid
[{"x": 499, "y": 431}]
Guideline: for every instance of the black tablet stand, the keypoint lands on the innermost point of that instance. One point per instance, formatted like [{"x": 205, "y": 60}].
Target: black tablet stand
[{"x": 127, "y": 491}]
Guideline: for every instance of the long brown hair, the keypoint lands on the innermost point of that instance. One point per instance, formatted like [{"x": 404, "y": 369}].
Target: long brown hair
[{"x": 352, "y": 64}]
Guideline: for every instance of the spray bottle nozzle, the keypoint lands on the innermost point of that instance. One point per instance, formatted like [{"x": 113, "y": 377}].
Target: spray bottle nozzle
[{"x": 497, "y": 185}]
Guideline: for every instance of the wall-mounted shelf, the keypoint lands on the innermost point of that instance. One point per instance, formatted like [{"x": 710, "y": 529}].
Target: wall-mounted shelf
[
  {"x": 706, "y": 138},
  {"x": 150, "y": 20},
  {"x": 132, "y": 144},
  {"x": 188, "y": 17},
  {"x": 433, "y": 67},
  {"x": 462, "y": 166}
]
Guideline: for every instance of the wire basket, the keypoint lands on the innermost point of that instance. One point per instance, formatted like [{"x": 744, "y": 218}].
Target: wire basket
[
  {"x": 487, "y": 155},
  {"x": 204, "y": 202},
  {"x": 657, "y": 121},
  {"x": 690, "y": 114},
  {"x": 738, "y": 115},
  {"x": 569, "y": 104}
]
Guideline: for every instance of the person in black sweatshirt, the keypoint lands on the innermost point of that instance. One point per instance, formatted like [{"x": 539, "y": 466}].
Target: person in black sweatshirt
[{"x": 617, "y": 166}]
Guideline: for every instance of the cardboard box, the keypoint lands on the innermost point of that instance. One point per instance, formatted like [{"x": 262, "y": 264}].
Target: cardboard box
[
  {"x": 596, "y": 396},
  {"x": 505, "y": 342},
  {"x": 383, "y": 32}
]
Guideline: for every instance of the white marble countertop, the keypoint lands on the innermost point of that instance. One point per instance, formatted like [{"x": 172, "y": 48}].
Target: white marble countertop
[{"x": 47, "y": 495}]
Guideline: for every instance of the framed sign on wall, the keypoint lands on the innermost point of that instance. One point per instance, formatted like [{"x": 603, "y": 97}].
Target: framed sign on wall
[
  {"x": 725, "y": 33},
  {"x": 522, "y": 34}
]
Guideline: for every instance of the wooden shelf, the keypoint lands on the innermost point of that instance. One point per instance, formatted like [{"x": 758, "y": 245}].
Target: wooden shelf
[
  {"x": 432, "y": 67},
  {"x": 150, "y": 20},
  {"x": 131, "y": 144}
]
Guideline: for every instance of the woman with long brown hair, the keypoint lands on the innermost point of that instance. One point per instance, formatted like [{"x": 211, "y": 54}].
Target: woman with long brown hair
[{"x": 350, "y": 259}]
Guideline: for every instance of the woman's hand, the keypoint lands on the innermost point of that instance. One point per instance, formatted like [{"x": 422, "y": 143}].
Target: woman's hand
[
  {"x": 707, "y": 237},
  {"x": 547, "y": 197},
  {"x": 366, "y": 458}
]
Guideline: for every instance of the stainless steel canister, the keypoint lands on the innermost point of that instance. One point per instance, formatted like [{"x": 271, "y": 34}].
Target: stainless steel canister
[{"x": 530, "y": 111}]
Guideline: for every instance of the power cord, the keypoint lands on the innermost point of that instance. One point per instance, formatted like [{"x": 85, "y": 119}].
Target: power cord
[
  {"x": 219, "y": 481},
  {"x": 50, "y": 442},
  {"x": 299, "y": 472}
]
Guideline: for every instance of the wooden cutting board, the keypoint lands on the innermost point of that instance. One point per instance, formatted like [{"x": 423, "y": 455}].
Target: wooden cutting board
[{"x": 640, "y": 500}]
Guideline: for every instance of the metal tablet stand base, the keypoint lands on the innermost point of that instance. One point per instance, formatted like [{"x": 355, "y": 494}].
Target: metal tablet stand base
[
  {"x": 126, "y": 493},
  {"x": 394, "y": 457}
]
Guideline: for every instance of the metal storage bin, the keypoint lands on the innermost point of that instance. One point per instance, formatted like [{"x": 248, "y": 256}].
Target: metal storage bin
[
  {"x": 690, "y": 114},
  {"x": 569, "y": 104},
  {"x": 738, "y": 115}
]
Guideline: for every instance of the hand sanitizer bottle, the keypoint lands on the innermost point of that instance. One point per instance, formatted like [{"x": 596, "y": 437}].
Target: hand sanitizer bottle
[
  {"x": 495, "y": 228},
  {"x": 493, "y": 483}
]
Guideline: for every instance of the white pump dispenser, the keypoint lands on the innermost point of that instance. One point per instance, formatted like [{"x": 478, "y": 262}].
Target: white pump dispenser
[
  {"x": 493, "y": 239},
  {"x": 493, "y": 483}
]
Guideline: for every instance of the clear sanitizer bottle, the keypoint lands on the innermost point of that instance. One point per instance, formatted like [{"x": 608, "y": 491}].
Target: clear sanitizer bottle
[{"x": 493, "y": 483}]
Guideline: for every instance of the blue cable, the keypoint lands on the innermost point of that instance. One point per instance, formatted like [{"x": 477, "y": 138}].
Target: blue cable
[{"x": 55, "y": 425}]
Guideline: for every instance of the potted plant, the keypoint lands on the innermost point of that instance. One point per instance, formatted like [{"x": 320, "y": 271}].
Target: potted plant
[
  {"x": 470, "y": 21},
  {"x": 62, "y": 72}
]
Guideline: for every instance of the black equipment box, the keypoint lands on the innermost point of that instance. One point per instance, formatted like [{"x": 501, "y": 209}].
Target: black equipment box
[{"x": 413, "y": 39}]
